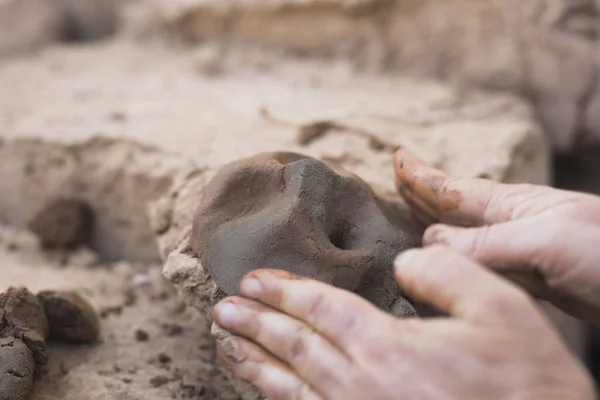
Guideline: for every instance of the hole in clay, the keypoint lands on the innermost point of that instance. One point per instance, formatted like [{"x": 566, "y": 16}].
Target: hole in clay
[{"x": 337, "y": 238}]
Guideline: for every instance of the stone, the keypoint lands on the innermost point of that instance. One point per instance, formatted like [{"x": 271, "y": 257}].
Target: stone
[
  {"x": 63, "y": 223},
  {"x": 28, "y": 25},
  {"x": 544, "y": 50},
  {"x": 292, "y": 212},
  {"x": 87, "y": 20},
  {"x": 71, "y": 318},
  {"x": 99, "y": 175}
]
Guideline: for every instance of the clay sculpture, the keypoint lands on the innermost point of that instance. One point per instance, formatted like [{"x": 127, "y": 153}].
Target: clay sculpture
[{"x": 292, "y": 212}]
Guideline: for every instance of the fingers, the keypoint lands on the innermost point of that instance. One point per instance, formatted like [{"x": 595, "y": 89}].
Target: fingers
[
  {"x": 253, "y": 364},
  {"x": 451, "y": 282},
  {"x": 544, "y": 263},
  {"x": 340, "y": 316},
  {"x": 501, "y": 246},
  {"x": 309, "y": 354},
  {"x": 453, "y": 200}
]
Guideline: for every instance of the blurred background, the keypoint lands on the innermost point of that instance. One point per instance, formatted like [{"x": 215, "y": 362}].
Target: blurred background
[{"x": 112, "y": 100}]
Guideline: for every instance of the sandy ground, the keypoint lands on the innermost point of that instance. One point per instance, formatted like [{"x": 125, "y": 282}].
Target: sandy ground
[{"x": 177, "y": 358}]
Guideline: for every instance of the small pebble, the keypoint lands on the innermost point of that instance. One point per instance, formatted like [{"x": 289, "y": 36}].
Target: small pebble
[
  {"x": 141, "y": 335},
  {"x": 159, "y": 380},
  {"x": 70, "y": 317}
]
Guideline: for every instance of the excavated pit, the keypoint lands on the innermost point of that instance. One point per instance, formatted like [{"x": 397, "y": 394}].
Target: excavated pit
[{"x": 114, "y": 178}]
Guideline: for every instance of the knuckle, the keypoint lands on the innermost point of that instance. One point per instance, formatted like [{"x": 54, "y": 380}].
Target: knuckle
[
  {"x": 479, "y": 240},
  {"x": 317, "y": 310},
  {"x": 547, "y": 247},
  {"x": 500, "y": 202},
  {"x": 296, "y": 350}
]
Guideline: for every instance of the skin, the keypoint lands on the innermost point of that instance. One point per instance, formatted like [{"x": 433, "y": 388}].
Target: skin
[
  {"x": 296, "y": 338},
  {"x": 545, "y": 239}
]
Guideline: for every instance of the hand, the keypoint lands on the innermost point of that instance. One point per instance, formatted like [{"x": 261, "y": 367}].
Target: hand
[
  {"x": 300, "y": 339},
  {"x": 552, "y": 235}
]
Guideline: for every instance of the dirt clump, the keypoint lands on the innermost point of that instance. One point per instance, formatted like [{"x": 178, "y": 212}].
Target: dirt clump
[
  {"x": 23, "y": 332},
  {"x": 17, "y": 368},
  {"x": 296, "y": 213},
  {"x": 22, "y": 317},
  {"x": 63, "y": 223},
  {"x": 70, "y": 317}
]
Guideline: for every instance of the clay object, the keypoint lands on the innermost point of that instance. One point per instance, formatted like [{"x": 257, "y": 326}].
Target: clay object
[
  {"x": 22, "y": 317},
  {"x": 70, "y": 317},
  {"x": 63, "y": 223},
  {"x": 16, "y": 369},
  {"x": 295, "y": 213}
]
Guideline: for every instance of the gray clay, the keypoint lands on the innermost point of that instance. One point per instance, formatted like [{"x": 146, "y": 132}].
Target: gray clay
[
  {"x": 70, "y": 317},
  {"x": 16, "y": 369},
  {"x": 63, "y": 223},
  {"x": 291, "y": 212},
  {"x": 22, "y": 317}
]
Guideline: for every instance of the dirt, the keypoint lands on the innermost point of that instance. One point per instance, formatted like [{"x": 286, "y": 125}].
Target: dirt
[
  {"x": 17, "y": 368},
  {"x": 70, "y": 317},
  {"x": 65, "y": 223},
  {"x": 22, "y": 316},
  {"x": 178, "y": 346}
]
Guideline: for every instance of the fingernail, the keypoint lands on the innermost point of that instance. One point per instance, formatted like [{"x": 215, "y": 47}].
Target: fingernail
[
  {"x": 227, "y": 314},
  {"x": 232, "y": 349},
  {"x": 404, "y": 258},
  {"x": 438, "y": 234},
  {"x": 251, "y": 288}
]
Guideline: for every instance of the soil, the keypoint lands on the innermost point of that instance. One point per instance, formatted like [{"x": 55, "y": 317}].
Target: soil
[
  {"x": 63, "y": 223},
  {"x": 173, "y": 358}
]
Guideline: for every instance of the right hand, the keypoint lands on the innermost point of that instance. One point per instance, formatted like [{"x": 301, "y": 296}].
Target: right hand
[{"x": 545, "y": 239}]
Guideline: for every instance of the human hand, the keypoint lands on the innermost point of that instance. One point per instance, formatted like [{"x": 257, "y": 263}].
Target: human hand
[
  {"x": 296, "y": 338},
  {"x": 549, "y": 237}
]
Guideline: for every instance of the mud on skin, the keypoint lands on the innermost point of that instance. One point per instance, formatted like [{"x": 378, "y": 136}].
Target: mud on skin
[{"x": 295, "y": 213}]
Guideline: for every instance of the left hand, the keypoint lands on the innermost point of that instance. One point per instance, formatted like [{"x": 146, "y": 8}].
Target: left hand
[{"x": 296, "y": 338}]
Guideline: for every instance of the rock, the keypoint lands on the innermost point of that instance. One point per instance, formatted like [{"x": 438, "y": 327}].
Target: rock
[
  {"x": 17, "y": 368},
  {"x": 70, "y": 317},
  {"x": 292, "y": 212},
  {"x": 28, "y": 25},
  {"x": 63, "y": 223},
  {"x": 89, "y": 19},
  {"x": 22, "y": 317},
  {"x": 141, "y": 335},
  {"x": 542, "y": 49},
  {"x": 99, "y": 173}
]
